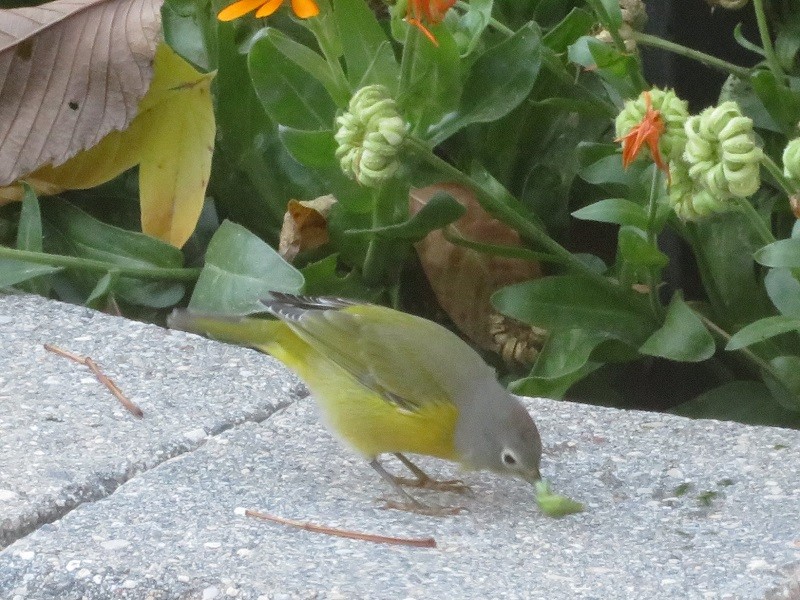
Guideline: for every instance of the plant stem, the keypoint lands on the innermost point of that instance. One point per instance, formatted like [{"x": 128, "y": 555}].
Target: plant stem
[
  {"x": 86, "y": 264},
  {"x": 766, "y": 41},
  {"x": 723, "y": 335},
  {"x": 778, "y": 175},
  {"x": 452, "y": 235},
  {"x": 377, "y": 252},
  {"x": 513, "y": 217},
  {"x": 323, "y": 35},
  {"x": 702, "y": 57},
  {"x": 653, "y": 273},
  {"x": 600, "y": 11},
  {"x": 756, "y": 221}
]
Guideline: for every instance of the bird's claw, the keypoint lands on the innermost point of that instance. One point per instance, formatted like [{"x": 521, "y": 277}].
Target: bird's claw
[
  {"x": 428, "y": 483},
  {"x": 423, "y": 509}
]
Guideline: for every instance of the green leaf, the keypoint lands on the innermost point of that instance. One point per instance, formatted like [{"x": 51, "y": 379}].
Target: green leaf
[
  {"x": 13, "y": 272},
  {"x": 570, "y": 301},
  {"x": 75, "y": 233},
  {"x": 29, "y": 237},
  {"x": 29, "y": 229},
  {"x": 614, "y": 210},
  {"x": 314, "y": 149},
  {"x": 782, "y": 103},
  {"x": 102, "y": 290},
  {"x": 499, "y": 80},
  {"x": 743, "y": 401},
  {"x": 612, "y": 13},
  {"x": 542, "y": 387},
  {"x": 784, "y": 381},
  {"x": 377, "y": 71},
  {"x": 724, "y": 249},
  {"x": 763, "y": 329},
  {"x": 613, "y": 66},
  {"x": 308, "y": 60},
  {"x": 470, "y": 25},
  {"x": 783, "y": 253},
  {"x": 441, "y": 210},
  {"x": 241, "y": 269},
  {"x": 784, "y": 291},
  {"x": 187, "y": 24},
  {"x": 576, "y": 24},
  {"x": 322, "y": 278},
  {"x": 366, "y": 48},
  {"x": 289, "y": 95},
  {"x": 682, "y": 337},
  {"x": 609, "y": 170},
  {"x": 636, "y": 250},
  {"x": 566, "y": 351},
  {"x": 430, "y": 79}
]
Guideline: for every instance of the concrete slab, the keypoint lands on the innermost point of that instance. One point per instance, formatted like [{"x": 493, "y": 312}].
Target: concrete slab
[
  {"x": 65, "y": 440},
  {"x": 675, "y": 508}
]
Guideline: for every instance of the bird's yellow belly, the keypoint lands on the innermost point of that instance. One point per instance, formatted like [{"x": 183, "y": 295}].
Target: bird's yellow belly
[{"x": 365, "y": 420}]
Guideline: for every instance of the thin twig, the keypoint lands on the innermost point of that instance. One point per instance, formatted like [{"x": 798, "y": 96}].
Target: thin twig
[
  {"x": 353, "y": 535},
  {"x": 112, "y": 387}
]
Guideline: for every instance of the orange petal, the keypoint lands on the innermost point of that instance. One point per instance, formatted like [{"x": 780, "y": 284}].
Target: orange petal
[
  {"x": 305, "y": 8},
  {"x": 418, "y": 24},
  {"x": 268, "y": 8},
  {"x": 238, "y": 9},
  {"x": 438, "y": 8}
]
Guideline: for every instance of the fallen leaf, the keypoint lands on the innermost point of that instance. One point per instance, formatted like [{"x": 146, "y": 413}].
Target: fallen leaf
[
  {"x": 71, "y": 71},
  {"x": 171, "y": 138},
  {"x": 305, "y": 226},
  {"x": 464, "y": 279}
]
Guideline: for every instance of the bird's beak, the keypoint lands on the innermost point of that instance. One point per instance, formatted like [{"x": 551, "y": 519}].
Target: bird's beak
[{"x": 532, "y": 476}]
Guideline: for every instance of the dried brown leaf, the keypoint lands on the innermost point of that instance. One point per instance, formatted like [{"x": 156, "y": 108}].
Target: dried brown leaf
[
  {"x": 71, "y": 71},
  {"x": 463, "y": 279},
  {"x": 305, "y": 226}
]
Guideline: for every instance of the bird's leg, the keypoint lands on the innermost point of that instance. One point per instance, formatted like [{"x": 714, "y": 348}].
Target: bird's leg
[
  {"x": 424, "y": 481},
  {"x": 410, "y": 504}
]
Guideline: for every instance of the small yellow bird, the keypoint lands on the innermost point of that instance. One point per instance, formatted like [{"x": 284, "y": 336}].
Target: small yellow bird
[{"x": 390, "y": 382}]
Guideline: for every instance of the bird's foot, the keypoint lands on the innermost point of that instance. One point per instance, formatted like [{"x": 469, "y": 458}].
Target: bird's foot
[
  {"x": 423, "y": 509},
  {"x": 429, "y": 483}
]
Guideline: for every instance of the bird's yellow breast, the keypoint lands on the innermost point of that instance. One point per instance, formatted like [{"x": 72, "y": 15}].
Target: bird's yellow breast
[{"x": 362, "y": 418}]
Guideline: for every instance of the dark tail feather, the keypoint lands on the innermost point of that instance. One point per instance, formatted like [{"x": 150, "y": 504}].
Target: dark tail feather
[{"x": 292, "y": 307}]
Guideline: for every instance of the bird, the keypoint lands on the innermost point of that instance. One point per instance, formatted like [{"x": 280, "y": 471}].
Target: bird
[{"x": 388, "y": 382}]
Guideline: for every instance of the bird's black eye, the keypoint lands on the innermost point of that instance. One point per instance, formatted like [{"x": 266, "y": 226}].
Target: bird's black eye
[{"x": 509, "y": 459}]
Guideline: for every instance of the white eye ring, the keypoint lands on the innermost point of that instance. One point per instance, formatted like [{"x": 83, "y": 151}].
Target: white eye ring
[{"x": 508, "y": 458}]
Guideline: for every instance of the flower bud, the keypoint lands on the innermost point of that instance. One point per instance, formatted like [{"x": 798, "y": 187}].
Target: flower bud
[
  {"x": 791, "y": 159},
  {"x": 673, "y": 112},
  {"x": 689, "y": 201},
  {"x": 370, "y": 136},
  {"x": 721, "y": 152}
]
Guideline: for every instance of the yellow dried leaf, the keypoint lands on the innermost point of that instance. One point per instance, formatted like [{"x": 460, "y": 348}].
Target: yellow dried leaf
[{"x": 171, "y": 139}]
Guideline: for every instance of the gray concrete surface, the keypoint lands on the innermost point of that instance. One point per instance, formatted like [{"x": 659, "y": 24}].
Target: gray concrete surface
[{"x": 153, "y": 508}]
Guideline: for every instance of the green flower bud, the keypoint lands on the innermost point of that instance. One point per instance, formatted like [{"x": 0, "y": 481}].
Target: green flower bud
[
  {"x": 690, "y": 201},
  {"x": 370, "y": 136},
  {"x": 791, "y": 159},
  {"x": 673, "y": 113},
  {"x": 721, "y": 152}
]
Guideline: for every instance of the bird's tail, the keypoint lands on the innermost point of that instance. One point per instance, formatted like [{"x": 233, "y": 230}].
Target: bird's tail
[{"x": 263, "y": 334}]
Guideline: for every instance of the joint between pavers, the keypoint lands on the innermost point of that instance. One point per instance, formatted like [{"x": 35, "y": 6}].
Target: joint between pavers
[{"x": 99, "y": 486}]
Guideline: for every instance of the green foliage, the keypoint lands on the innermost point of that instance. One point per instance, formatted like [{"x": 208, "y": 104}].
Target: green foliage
[{"x": 515, "y": 101}]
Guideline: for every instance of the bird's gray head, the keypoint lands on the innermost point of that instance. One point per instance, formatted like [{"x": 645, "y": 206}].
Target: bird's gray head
[{"x": 498, "y": 434}]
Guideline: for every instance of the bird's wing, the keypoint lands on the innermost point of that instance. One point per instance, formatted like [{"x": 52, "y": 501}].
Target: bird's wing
[{"x": 409, "y": 361}]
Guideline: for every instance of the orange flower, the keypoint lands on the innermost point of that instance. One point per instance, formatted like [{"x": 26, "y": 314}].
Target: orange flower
[
  {"x": 427, "y": 11},
  {"x": 648, "y": 131},
  {"x": 302, "y": 8}
]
